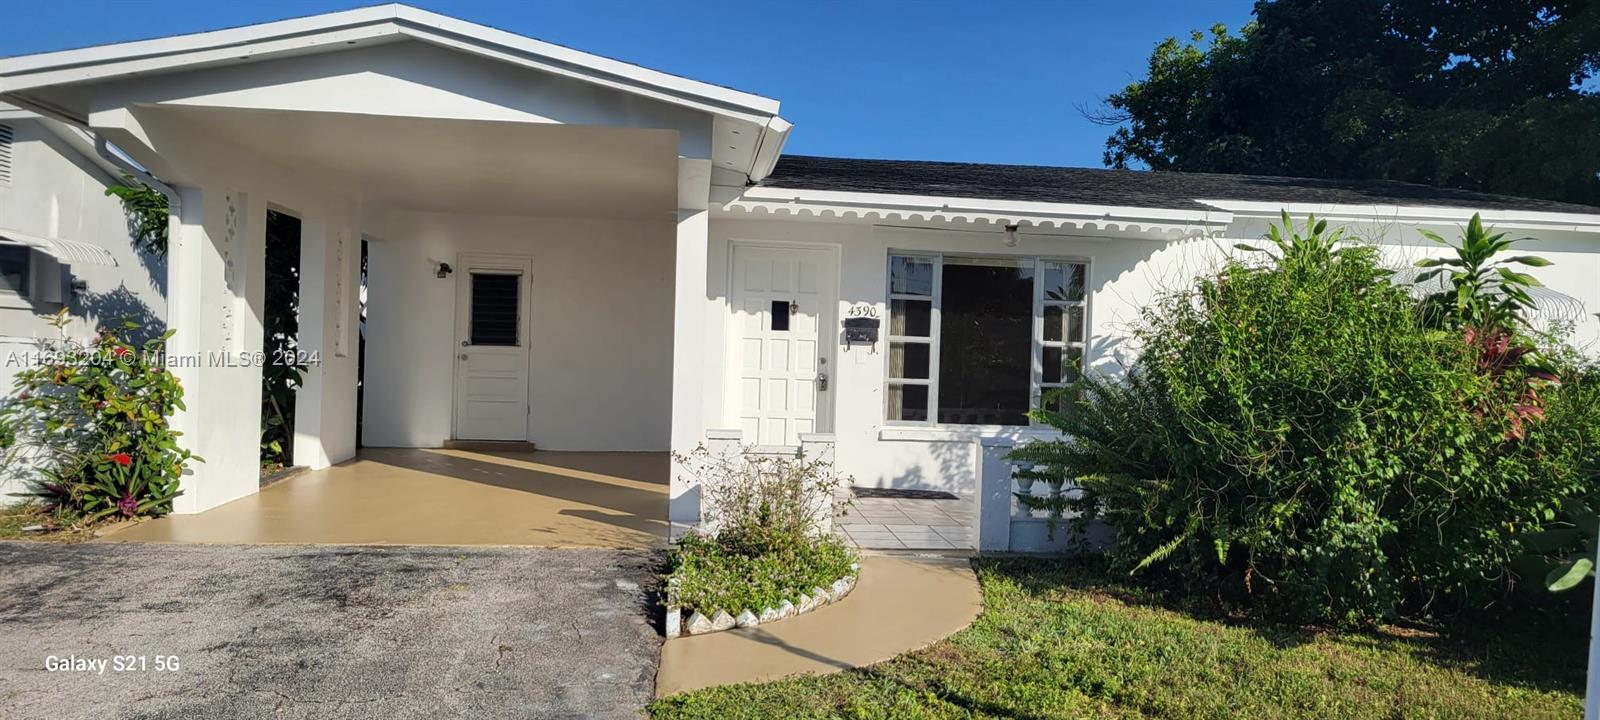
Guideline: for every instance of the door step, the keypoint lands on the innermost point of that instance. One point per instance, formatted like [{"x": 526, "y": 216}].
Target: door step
[{"x": 489, "y": 445}]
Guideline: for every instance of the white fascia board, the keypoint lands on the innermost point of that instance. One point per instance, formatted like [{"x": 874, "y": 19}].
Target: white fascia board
[
  {"x": 1507, "y": 219},
  {"x": 773, "y": 136},
  {"x": 333, "y": 30},
  {"x": 877, "y": 206}
]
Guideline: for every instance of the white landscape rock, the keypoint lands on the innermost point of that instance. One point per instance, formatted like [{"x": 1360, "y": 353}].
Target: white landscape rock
[
  {"x": 822, "y": 596},
  {"x": 699, "y": 623},
  {"x": 746, "y": 618},
  {"x": 769, "y": 615},
  {"x": 674, "y": 622},
  {"x": 805, "y": 604},
  {"x": 786, "y": 609},
  {"x": 721, "y": 621},
  {"x": 839, "y": 589}
]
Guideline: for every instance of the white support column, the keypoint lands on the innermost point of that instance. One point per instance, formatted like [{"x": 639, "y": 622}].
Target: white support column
[
  {"x": 688, "y": 354},
  {"x": 214, "y": 327}
]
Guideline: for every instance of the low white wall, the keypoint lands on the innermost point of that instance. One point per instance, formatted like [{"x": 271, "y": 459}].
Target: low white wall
[
  {"x": 600, "y": 328},
  {"x": 1124, "y": 276}
]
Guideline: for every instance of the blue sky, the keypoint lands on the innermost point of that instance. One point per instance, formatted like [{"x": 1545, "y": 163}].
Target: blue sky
[{"x": 968, "y": 81}]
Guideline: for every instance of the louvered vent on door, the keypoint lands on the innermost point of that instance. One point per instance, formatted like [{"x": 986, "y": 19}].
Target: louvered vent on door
[{"x": 5, "y": 154}]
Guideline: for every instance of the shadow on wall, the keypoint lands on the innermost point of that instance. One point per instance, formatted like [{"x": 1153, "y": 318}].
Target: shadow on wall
[
  {"x": 154, "y": 266},
  {"x": 103, "y": 309}
]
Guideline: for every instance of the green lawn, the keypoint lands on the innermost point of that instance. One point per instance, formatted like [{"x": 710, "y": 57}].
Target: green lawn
[{"x": 1054, "y": 642}]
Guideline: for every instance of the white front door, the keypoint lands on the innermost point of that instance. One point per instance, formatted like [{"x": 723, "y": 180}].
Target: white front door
[
  {"x": 492, "y": 347},
  {"x": 784, "y": 302}
]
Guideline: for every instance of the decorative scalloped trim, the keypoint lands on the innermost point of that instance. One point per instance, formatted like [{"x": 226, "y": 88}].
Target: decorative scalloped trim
[{"x": 1163, "y": 230}]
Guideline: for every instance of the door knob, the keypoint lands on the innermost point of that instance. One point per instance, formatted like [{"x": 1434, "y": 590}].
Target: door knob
[
  {"x": 463, "y": 356},
  {"x": 822, "y": 382}
]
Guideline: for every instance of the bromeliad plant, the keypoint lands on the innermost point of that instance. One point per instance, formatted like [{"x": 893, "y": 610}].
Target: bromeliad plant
[{"x": 99, "y": 414}]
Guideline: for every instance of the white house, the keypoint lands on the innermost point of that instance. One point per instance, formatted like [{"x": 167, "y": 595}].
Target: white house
[
  {"x": 584, "y": 254},
  {"x": 63, "y": 244}
]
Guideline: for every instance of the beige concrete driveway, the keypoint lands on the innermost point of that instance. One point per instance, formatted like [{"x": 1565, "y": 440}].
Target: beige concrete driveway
[{"x": 444, "y": 497}]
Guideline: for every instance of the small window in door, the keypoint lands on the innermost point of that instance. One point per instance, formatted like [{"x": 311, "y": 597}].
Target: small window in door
[
  {"x": 781, "y": 310},
  {"x": 496, "y": 302}
]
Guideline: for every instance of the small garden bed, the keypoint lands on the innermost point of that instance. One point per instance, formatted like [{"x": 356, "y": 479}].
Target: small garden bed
[
  {"x": 714, "y": 587},
  {"x": 764, "y": 551}
]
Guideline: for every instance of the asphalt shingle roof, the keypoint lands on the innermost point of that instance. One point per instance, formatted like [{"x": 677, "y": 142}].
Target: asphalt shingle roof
[{"x": 1128, "y": 188}]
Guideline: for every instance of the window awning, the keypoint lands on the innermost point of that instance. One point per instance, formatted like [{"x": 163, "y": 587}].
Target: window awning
[{"x": 67, "y": 251}]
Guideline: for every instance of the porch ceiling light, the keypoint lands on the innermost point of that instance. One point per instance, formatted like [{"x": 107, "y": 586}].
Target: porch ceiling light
[{"x": 1011, "y": 236}]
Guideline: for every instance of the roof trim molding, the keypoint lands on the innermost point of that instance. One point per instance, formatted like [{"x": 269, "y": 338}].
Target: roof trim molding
[
  {"x": 872, "y": 207},
  {"x": 1505, "y": 219},
  {"x": 331, "y": 30}
]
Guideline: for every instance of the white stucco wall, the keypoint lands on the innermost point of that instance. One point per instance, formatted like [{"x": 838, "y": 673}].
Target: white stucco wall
[
  {"x": 600, "y": 328},
  {"x": 55, "y": 192},
  {"x": 1124, "y": 275}
]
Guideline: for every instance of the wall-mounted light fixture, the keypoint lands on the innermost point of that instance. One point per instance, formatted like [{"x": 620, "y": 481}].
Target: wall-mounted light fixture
[
  {"x": 443, "y": 270},
  {"x": 1011, "y": 236}
]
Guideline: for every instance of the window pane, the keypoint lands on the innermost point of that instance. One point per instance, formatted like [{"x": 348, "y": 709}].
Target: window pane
[
  {"x": 911, "y": 318},
  {"x": 985, "y": 342},
  {"x": 14, "y": 269},
  {"x": 1063, "y": 281},
  {"x": 909, "y": 360},
  {"x": 911, "y": 275},
  {"x": 780, "y": 315},
  {"x": 1062, "y": 365},
  {"x": 908, "y": 402},
  {"x": 1063, "y": 323},
  {"x": 495, "y": 305}
]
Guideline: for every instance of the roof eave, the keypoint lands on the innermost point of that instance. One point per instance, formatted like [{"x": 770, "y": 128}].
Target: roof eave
[{"x": 1423, "y": 214}]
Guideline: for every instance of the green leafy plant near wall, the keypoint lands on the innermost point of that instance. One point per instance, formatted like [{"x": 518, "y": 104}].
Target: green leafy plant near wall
[
  {"x": 147, "y": 214},
  {"x": 97, "y": 414},
  {"x": 1299, "y": 437}
]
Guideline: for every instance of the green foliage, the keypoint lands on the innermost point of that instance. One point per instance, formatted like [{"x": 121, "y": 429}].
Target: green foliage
[
  {"x": 1059, "y": 640},
  {"x": 147, "y": 214},
  {"x": 708, "y": 575},
  {"x": 1485, "y": 292},
  {"x": 764, "y": 535},
  {"x": 1495, "y": 97},
  {"x": 99, "y": 412},
  {"x": 1294, "y": 436},
  {"x": 284, "y": 371}
]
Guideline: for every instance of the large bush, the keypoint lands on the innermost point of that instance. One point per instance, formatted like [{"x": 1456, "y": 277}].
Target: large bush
[
  {"x": 96, "y": 417},
  {"x": 1295, "y": 435}
]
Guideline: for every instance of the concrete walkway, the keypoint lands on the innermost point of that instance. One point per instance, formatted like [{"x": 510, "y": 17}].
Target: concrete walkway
[
  {"x": 391, "y": 496},
  {"x": 900, "y": 604}
]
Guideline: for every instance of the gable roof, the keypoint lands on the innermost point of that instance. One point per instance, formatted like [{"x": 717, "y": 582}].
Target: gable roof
[
  {"x": 1125, "y": 188},
  {"x": 367, "y": 25}
]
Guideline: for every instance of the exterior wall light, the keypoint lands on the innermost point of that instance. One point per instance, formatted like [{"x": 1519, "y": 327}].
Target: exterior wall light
[
  {"x": 1011, "y": 236},
  {"x": 443, "y": 271}
]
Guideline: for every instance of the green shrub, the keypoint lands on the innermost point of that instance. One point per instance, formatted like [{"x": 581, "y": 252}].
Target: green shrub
[
  {"x": 764, "y": 536},
  {"x": 98, "y": 413},
  {"x": 1293, "y": 435},
  {"x": 709, "y": 575}
]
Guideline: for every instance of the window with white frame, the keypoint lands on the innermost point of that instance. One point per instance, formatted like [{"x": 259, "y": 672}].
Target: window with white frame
[{"x": 978, "y": 340}]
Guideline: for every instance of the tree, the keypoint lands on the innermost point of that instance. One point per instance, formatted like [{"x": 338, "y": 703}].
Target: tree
[{"x": 1496, "y": 97}]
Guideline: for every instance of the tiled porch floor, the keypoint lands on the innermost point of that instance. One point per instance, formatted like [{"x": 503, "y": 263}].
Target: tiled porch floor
[{"x": 883, "y": 523}]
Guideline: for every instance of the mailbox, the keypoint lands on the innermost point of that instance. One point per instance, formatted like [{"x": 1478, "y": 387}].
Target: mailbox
[{"x": 861, "y": 329}]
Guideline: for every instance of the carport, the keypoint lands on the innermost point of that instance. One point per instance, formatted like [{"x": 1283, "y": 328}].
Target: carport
[{"x": 399, "y": 496}]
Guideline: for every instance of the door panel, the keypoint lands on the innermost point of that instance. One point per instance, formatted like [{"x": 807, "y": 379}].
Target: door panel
[
  {"x": 784, "y": 298},
  {"x": 491, "y": 341}
]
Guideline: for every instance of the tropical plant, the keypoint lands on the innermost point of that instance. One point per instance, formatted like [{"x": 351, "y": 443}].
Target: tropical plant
[
  {"x": 1296, "y": 438},
  {"x": 1485, "y": 292},
  {"x": 147, "y": 211},
  {"x": 98, "y": 415},
  {"x": 283, "y": 371}
]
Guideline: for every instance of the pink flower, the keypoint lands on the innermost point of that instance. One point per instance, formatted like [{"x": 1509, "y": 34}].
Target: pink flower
[{"x": 127, "y": 506}]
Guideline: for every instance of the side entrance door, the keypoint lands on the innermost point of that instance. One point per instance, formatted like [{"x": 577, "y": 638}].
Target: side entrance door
[
  {"x": 784, "y": 302},
  {"x": 491, "y": 368}
]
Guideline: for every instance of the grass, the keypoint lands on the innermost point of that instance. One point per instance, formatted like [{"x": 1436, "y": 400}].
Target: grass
[
  {"x": 60, "y": 526},
  {"x": 1063, "y": 641}
]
